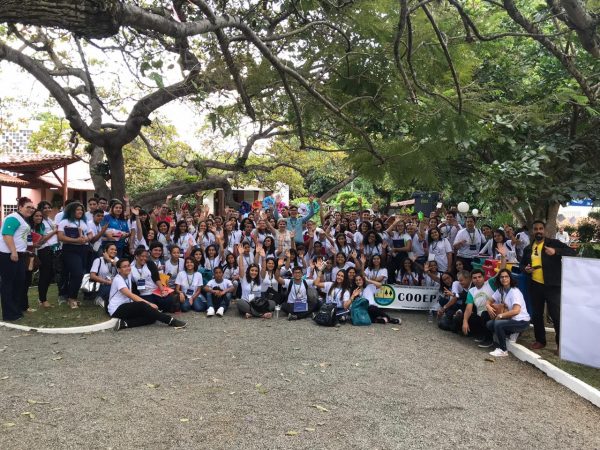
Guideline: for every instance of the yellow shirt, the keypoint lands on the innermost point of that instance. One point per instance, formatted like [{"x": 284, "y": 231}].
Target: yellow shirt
[{"x": 536, "y": 260}]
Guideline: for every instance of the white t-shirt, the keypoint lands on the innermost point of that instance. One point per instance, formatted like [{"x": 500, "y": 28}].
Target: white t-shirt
[
  {"x": 430, "y": 282},
  {"x": 480, "y": 296},
  {"x": 338, "y": 295},
  {"x": 375, "y": 273},
  {"x": 103, "y": 268},
  {"x": 372, "y": 250},
  {"x": 511, "y": 298},
  {"x": 449, "y": 232},
  {"x": 230, "y": 272},
  {"x": 250, "y": 291},
  {"x": 68, "y": 227},
  {"x": 147, "y": 284},
  {"x": 297, "y": 291},
  {"x": 187, "y": 281},
  {"x": 269, "y": 281},
  {"x": 369, "y": 293},
  {"x": 210, "y": 264},
  {"x": 234, "y": 239},
  {"x": 418, "y": 246},
  {"x": 473, "y": 241},
  {"x": 185, "y": 241},
  {"x": 116, "y": 297},
  {"x": 48, "y": 228},
  {"x": 440, "y": 249},
  {"x": 399, "y": 240},
  {"x": 336, "y": 269},
  {"x": 173, "y": 269},
  {"x": 224, "y": 284},
  {"x": 457, "y": 289}
]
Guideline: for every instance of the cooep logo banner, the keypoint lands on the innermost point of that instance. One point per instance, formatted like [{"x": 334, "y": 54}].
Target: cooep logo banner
[{"x": 395, "y": 296}]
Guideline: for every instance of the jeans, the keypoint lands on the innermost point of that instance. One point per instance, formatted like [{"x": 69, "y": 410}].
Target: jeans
[
  {"x": 217, "y": 302},
  {"x": 46, "y": 256},
  {"x": 11, "y": 289},
  {"x": 199, "y": 304},
  {"x": 136, "y": 314},
  {"x": 540, "y": 296},
  {"x": 103, "y": 291},
  {"x": 74, "y": 259},
  {"x": 503, "y": 327}
]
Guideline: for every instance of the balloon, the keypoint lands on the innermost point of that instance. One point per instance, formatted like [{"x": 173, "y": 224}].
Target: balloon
[
  {"x": 463, "y": 207},
  {"x": 475, "y": 212}
]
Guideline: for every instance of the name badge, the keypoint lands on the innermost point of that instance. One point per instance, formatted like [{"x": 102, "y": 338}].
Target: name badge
[
  {"x": 300, "y": 305},
  {"x": 472, "y": 247},
  {"x": 141, "y": 284},
  {"x": 189, "y": 292}
]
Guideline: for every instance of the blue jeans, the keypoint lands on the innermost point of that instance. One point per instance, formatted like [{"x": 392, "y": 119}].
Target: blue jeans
[
  {"x": 104, "y": 292},
  {"x": 199, "y": 304},
  {"x": 504, "y": 327},
  {"x": 74, "y": 260},
  {"x": 216, "y": 302}
]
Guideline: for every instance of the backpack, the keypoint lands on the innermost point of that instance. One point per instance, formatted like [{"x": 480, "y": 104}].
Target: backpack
[
  {"x": 326, "y": 315},
  {"x": 359, "y": 312}
]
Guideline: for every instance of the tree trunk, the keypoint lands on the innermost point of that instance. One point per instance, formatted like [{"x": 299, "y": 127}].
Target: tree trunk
[
  {"x": 116, "y": 163},
  {"x": 551, "y": 213},
  {"x": 100, "y": 185},
  {"x": 90, "y": 18}
]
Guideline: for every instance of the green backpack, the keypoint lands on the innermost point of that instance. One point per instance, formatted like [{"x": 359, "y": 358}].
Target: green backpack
[{"x": 359, "y": 312}]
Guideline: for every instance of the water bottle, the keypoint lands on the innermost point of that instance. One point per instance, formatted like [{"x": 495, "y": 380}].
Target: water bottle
[
  {"x": 430, "y": 316},
  {"x": 277, "y": 309}
]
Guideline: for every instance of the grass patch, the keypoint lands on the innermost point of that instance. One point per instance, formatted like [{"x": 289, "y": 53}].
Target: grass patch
[
  {"x": 586, "y": 374},
  {"x": 61, "y": 316}
]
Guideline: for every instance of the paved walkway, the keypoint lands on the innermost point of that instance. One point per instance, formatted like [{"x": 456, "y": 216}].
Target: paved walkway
[{"x": 230, "y": 383}]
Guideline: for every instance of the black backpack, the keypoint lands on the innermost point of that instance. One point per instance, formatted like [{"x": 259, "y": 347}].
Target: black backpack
[{"x": 326, "y": 315}]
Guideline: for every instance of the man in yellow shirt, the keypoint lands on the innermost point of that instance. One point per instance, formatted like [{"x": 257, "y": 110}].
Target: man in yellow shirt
[{"x": 542, "y": 261}]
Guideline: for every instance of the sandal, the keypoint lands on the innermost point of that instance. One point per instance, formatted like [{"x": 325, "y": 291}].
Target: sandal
[
  {"x": 46, "y": 304},
  {"x": 73, "y": 304}
]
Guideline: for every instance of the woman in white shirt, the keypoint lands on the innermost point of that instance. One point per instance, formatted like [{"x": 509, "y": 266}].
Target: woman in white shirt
[
  {"x": 188, "y": 287},
  {"x": 336, "y": 292},
  {"x": 367, "y": 291},
  {"x": 46, "y": 251},
  {"x": 440, "y": 250},
  {"x": 103, "y": 271},
  {"x": 183, "y": 238},
  {"x": 375, "y": 274},
  {"x": 74, "y": 234},
  {"x": 514, "y": 317},
  {"x": 132, "y": 310},
  {"x": 252, "y": 303}
]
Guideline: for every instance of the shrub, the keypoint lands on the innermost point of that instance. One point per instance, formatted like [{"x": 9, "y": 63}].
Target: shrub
[{"x": 587, "y": 230}]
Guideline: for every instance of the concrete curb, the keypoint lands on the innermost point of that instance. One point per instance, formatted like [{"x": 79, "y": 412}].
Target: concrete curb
[
  {"x": 71, "y": 330},
  {"x": 560, "y": 376}
]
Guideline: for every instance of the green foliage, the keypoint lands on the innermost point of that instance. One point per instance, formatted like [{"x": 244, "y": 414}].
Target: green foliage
[
  {"x": 53, "y": 134},
  {"x": 587, "y": 230}
]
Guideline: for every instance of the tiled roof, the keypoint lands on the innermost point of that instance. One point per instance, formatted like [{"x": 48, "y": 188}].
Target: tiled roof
[
  {"x": 35, "y": 163},
  {"x": 9, "y": 180}
]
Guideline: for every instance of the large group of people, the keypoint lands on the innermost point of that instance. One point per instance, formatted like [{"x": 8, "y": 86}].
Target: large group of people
[{"x": 269, "y": 257}]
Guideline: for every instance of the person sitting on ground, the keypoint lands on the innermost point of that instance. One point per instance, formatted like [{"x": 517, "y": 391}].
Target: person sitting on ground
[
  {"x": 336, "y": 292},
  {"x": 408, "y": 275},
  {"x": 174, "y": 265},
  {"x": 219, "y": 292},
  {"x": 252, "y": 303},
  {"x": 131, "y": 310},
  {"x": 103, "y": 271},
  {"x": 477, "y": 302},
  {"x": 375, "y": 274},
  {"x": 431, "y": 275},
  {"x": 377, "y": 314},
  {"x": 508, "y": 313},
  {"x": 450, "y": 314},
  {"x": 188, "y": 287},
  {"x": 147, "y": 279},
  {"x": 299, "y": 304}
]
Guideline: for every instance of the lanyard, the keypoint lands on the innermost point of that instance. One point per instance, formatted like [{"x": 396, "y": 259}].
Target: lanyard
[
  {"x": 471, "y": 236},
  {"x": 140, "y": 272},
  {"x": 126, "y": 280},
  {"x": 434, "y": 245},
  {"x": 189, "y": 280},
  {"x": 297, "y": 290},
  {"x": 271, "y": 279}
]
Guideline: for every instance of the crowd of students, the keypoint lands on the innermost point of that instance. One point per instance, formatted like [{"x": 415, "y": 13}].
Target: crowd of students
[{"x": 144, "y": 265}]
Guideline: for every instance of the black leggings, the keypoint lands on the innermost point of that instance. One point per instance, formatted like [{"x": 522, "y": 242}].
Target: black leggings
[
  {"x": 376, "y": 314},
  {"x": 46, "y": 256},
  {"x": 137, "y": 314}
]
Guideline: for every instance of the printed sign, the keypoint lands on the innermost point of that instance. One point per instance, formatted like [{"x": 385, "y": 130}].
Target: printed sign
[{"x": 395, "y": 296}]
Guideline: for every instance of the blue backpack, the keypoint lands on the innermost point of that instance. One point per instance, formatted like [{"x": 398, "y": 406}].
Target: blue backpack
[{"x": 359, "y": 312}]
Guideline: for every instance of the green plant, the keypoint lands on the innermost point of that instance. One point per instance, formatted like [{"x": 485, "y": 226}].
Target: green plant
[{"x": 587, "y": 229}]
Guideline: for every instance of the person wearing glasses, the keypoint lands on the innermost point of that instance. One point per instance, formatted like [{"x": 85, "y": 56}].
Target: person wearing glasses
[
  {"x": 542, "y": 261},
  {"x": 507, "y": 311},
  {"x": 13, "y": 256}
]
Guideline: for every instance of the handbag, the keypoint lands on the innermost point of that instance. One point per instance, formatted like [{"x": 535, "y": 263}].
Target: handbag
[
  {"x": 88, "y": 286},
  {"x": 274, "y": 295},
  {"x": 359, "y": 312},
  {"x": 260, "y": 305}
]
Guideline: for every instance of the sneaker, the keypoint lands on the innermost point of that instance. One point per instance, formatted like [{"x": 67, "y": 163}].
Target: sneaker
[
  {"x": 479, "y": 340},
  {"x": 292, "y": 317},
  {"x": 176, "y": 323},
  {"x": 210, "y": 312},
  {"x": 120, "y": 325},
  {"x": 99, "y": 301},
  {"x": 220, "y": 311},
  {"x": 499, "y": 352},
  {"x": 485, "y": 344},
  {"x": 62, "y": 299},
  {"x": 513, "y": 337}
]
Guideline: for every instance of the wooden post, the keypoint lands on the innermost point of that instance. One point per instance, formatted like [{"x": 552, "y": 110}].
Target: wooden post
[{"x": 65, "y": 185}]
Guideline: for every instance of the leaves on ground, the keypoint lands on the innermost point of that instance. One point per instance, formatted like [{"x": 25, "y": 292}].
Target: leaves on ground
[
  {"x": 395, "y": 329},
  {"x": 58, "y": 358},
  {"x": 310, "y": 429},
  {"x": 261, "y": 389},
  {"x": 8, "y": 424},
  {"x": 490, "y": 359},
  {"x": 6, "y": 377},
  {"x": 152, "y": 385},
  {"x": 291, "y": 433},
  {"x": 29, "y": 414},
  {"x": 36, "y": 402},
  {"x": 320, "y": 408},
  {"x": 184, "y": 419}
]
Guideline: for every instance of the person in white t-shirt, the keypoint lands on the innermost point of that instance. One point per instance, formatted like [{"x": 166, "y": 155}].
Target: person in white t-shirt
[
  {"x": 336, "y": 292},
  {"x": 477, "y": 300},
  {"x": 103, "y": 271},
  {"x": 252, "y": 303},
  {"x": 452, "y": 303},
  {"x": 562, "y": 235},
  {"x": 299, "y": 304},
  {"x": 510, "y": 314},
  {"x": 440, "y": 250},
  {"x": 377, "y": 314},
  {"x": 173, "y": 265},
  {"x": 188, "y": 286},
  {"x": 219, "y": 292},
  {"x": 468, "y": 242},
  {"x": 129, "y": 308}
]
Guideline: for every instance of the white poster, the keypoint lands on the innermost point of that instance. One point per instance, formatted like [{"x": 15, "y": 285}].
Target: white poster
[
  {"x": 580, "y": 311},
  {"x": 395, "y": 296}
]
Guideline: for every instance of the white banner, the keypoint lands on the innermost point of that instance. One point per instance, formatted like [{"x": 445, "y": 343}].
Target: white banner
[
  {"x": 395, "y": 296},
  {"x": 580, "y": 311}
]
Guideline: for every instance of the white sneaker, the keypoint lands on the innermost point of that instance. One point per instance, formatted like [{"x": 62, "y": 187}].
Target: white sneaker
[
  {"x": 99, "y": 301},
  {"x": 210, "y": 312},
  {"x": 220, "y": 311},
  {"x": 499, "y": 352},
  {"x": 513, "y": 337}
]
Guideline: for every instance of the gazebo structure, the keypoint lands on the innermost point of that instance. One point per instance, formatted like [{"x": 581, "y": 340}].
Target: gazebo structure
[{"x": 41, "y": 176}]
